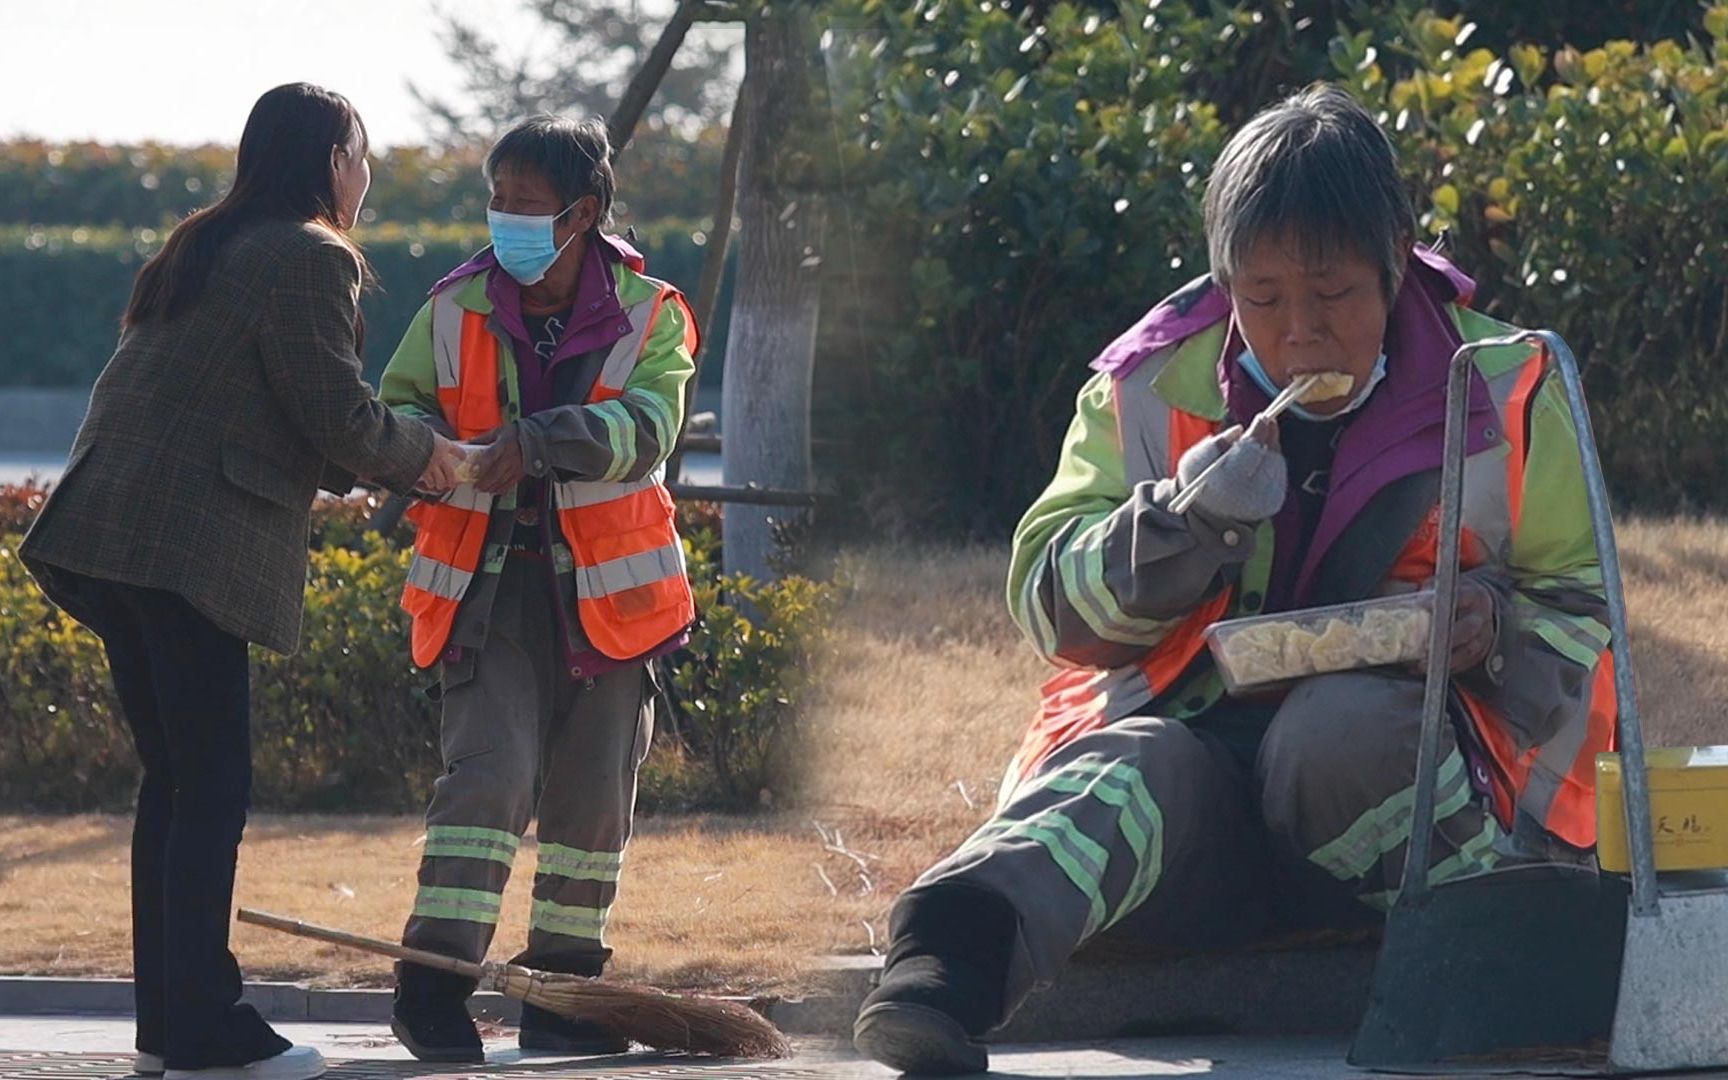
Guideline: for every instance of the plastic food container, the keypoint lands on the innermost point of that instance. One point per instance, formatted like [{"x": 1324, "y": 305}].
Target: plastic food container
[{"x": 1260, "y": 652}]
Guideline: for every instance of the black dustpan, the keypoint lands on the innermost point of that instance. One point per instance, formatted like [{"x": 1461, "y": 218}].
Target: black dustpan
[
  {"x": 1542, "y": 968},
  {"x": 1521, "y": 964}
]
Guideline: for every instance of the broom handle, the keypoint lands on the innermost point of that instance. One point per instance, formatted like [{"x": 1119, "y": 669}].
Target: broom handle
[{"x": 365, "y": 944}]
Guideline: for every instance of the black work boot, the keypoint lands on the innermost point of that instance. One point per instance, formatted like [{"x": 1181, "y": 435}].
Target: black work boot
[
  {"x": 942, "y": 987},
  {"x": 430, "y": 1015},
  {"x": 547, "y": 1031}
]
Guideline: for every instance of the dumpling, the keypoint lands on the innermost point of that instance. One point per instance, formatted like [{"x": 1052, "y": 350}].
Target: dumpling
[
  {"x": 1255, "y": 654},
  {"x": 1296, "y": 650},
  {"x": 1383, "y": 636},
  {"x": 1327, "y": 385},
  {"x": 1337, "y": 647}
]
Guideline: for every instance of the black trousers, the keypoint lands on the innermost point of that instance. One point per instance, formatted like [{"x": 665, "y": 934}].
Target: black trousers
[{"x": 184, "y": 687}]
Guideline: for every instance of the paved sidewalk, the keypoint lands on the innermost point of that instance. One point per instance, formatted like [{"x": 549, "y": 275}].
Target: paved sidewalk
[{"x": 96, "y": 1048}]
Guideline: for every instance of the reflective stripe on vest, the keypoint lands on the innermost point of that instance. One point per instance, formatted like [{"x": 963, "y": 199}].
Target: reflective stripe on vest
[
  {"x": 621, "y": 361},
  {"x": 450, "y": 535},
  {"x": 1076, "y": 701},
  {"x": 1553, "y": 783},
  {"x": 440, "y": 579},
  {"x": 577, "y": 493},
  {"x": 629, "y": 572},
  {"x": 628, "y": 562},
  {"x": 464, "y": 353}
]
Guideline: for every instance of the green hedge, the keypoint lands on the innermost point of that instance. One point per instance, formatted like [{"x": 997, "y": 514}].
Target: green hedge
[
  {"x": 1021, "y": 187},
  {"x": 63, "y": 289},
  {"x": 664, "y": 173},
  {"x": 345, "y": 724}
]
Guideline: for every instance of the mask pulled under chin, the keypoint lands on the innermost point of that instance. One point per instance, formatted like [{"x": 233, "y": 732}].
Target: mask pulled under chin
[
  {"x": 1251, "y": 364},
  {"x": 524, "y": 245}
]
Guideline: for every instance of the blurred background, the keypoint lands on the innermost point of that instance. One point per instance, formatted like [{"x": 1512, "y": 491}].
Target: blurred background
[{"x": 117, "y": 119}]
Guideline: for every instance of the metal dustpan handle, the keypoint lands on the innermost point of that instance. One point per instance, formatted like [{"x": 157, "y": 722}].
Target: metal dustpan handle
[{"x": 1415, "y": 885}]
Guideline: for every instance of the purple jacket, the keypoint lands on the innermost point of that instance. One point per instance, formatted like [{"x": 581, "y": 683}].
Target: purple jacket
[
  {"x": 1399, "y": 430},
  {"x": 597, "y": 318}
]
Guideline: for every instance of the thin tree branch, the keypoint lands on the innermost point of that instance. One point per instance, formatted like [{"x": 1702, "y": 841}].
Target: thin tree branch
[
  {"x": 714, "y": 261},
  {"x": 647, "y": 79}
]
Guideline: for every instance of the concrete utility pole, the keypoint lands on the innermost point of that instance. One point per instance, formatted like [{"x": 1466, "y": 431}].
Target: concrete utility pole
[{"x": 770, "y": 351}]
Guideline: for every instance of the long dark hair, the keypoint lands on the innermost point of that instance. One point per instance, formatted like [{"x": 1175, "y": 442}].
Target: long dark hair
[{"x": 282, "y": 173}]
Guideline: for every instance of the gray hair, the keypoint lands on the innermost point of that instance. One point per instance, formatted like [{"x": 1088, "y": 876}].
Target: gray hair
[
  {"x": 1317, "y": 170},
  {"x": 573, "y": 155}
]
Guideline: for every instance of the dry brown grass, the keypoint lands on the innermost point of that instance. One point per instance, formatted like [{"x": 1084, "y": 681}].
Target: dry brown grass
[
  {"x": 925, "y": 700},
  {"x": 705, "y": 903},
  {"x": 936, "y": 688},
  {"x": 1677, "y": 599}
]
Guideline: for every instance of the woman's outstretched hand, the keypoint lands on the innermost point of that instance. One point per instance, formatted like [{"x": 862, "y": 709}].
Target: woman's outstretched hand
[{"x": 441, "y": 471}]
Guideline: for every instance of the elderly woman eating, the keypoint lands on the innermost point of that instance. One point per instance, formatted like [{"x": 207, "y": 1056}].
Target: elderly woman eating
[{"x": 1164, "y": 798}]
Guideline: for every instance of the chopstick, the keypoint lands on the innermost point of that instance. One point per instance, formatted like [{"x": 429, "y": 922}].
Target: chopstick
[
  {"x": 1284, "y": 400},
  {"x": 1298, "y": 386}
]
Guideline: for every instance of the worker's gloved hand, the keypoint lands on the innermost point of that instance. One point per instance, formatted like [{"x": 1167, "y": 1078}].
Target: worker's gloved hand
[
  {"x": 1251, "y": 483},
  {"x": 500, "y": 466},
  {"x": 1475, "y": 626}
]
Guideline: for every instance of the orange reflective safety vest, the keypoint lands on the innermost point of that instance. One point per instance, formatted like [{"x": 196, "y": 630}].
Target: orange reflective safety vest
[
  {"x": 632, "y": 591},
  {"x": 1559, "y": 795}
]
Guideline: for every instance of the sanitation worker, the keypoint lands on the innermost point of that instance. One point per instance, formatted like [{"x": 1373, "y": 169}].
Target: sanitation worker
[
  {"x": 540, "y": 588},
  {"x": 1144, "y": 799}
]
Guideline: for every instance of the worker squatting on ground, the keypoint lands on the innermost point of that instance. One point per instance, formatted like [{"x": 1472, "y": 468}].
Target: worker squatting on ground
[
  {"x": 1145, "y": 802},
  {"x": 541, "y": 588}
]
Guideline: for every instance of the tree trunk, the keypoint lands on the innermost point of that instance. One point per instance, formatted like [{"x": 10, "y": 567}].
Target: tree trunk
[{"x": 770, "y": 352}]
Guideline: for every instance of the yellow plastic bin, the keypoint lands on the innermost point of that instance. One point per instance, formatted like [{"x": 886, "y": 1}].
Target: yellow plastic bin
[{"x": 1688, "y": 809}]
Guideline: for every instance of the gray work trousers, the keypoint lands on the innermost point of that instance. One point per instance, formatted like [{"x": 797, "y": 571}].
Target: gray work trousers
[
  {"x": 523, "y": 740},
  {"x": 1173, "y": 835}
]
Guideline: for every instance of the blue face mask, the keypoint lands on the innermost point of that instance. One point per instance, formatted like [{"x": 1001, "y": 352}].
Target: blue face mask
[
  {"x": 1251, "y": 364},
  {"x": 523, "y": 243}
]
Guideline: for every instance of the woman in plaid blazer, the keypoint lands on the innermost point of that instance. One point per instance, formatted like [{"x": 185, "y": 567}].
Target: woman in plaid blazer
[{"x": 178, "y": 534}]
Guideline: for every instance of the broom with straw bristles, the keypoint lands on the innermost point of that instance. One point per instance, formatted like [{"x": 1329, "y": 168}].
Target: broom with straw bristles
[{"x": 642, "y": 1014}]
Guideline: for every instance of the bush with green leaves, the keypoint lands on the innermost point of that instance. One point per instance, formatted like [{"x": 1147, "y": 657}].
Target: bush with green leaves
[
  {"x": 1584, "y": 190},
  {"x": 1022, "y": 181},
  {"x": 665, "y": 173},
  {"x": 737, "y": 687},
  {"x": 345, "y": 723},
  {"x": 63, "y": 743},
  {"x": 1018, "y": 192}
]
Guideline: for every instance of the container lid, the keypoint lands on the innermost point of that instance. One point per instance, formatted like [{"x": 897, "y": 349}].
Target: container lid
[{"x": 1674, "y": 766}]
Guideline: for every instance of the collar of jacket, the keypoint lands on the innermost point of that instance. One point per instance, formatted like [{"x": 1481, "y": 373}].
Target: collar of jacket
[
  {"x": 1200, "y": 305},
  {"x": 603, "y": 292},
  {"x": 1397, "y": 433}
]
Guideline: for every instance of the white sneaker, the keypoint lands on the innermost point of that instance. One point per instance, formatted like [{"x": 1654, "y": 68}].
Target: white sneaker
[
  {"x": 294, "y": 1063},
  {"x": 147, "y": 1064}
]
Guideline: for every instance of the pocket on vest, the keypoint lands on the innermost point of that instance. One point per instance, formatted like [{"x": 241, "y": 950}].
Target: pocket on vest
[{"x": 632, "y": 589}]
